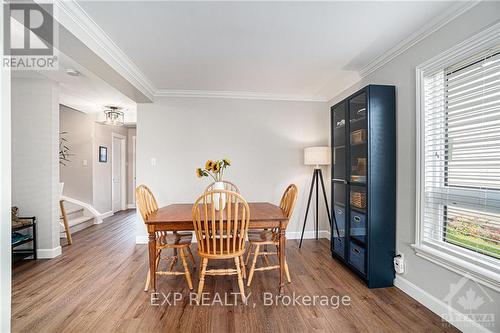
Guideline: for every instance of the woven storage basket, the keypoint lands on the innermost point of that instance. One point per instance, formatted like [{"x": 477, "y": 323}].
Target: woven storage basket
[
  {"x": 358, "y": 136},
  {"x": 358, "y": 199}
]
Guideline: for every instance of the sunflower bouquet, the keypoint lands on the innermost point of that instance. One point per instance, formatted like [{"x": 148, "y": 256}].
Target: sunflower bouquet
[{"x": 214, "y": 169}]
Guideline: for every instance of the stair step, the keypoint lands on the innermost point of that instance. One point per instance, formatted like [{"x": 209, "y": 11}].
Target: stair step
[
  {"x": 73, "y": 213},
  {"x": 78, "y": 220}
]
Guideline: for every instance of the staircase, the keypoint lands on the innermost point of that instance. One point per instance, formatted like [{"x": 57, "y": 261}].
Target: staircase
[{"x": 78, "y": 218}]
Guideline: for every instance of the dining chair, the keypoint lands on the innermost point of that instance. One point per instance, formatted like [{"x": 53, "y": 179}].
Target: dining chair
[
  {"x": 179, "y": 242},
  {"x": 221, "y": 234},
  {"x": 258, "y": 238},
  {"x": 227, "y": 186}
]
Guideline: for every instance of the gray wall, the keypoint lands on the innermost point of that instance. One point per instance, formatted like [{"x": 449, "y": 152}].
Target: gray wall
[
  {"x": 400, "y": 72},
  {"x": 92, "y": 183},
  {"x": 131, "y": 132},
  {"x": 102, "y": 171},
  {"x": 264, "y": 140},
  {"x": 35, "y": 158},
  {"x": 76, "y": 176}
]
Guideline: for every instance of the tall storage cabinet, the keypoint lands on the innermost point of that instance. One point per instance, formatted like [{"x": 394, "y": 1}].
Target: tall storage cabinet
[{"x": 364, "y": 183}]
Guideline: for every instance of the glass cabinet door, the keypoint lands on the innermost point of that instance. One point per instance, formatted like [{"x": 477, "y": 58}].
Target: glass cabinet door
[
  {"x": 338, "y": 142},
  {"x": 358, "y": 136},
  {"x": 340, "y": 222}
]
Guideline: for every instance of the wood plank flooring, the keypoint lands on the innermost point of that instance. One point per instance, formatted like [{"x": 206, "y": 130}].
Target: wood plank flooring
[{"x": 96, "y": 285}]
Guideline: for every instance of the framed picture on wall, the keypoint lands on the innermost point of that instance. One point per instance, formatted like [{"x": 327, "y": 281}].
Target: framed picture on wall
[{"x": 103, "y": 154}]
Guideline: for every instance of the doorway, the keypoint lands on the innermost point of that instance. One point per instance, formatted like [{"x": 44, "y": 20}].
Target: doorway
[{"x": 118, "y": 176}]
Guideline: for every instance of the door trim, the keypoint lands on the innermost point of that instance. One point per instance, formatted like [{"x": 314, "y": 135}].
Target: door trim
[
  {"x": 134, "y": 157},
  {"x": 123, "y": 174}
]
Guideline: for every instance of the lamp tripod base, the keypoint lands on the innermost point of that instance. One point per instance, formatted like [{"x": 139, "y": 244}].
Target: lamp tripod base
[{"x": 316, "y": 179}]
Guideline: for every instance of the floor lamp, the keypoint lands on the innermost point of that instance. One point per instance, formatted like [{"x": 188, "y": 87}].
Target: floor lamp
[{"x": 317, "y": 156}]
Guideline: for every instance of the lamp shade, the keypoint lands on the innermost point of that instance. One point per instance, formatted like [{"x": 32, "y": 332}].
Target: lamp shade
[{"x": 317, "y": 156}]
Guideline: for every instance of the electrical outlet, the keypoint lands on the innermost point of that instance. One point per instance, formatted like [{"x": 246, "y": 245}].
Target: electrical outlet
[
  {"x": 153, "y": 162},
  {"x": 399, "y": 263}
]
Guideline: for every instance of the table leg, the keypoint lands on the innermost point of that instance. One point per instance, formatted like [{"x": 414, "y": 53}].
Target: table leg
[
  {"x": 152, "y": 259},
  {"x": 282, "y": 250}
]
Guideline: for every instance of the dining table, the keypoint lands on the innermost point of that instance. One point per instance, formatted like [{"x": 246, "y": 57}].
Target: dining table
[{"x": 178, "y": 217}]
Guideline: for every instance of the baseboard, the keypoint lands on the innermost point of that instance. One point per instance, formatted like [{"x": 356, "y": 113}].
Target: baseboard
[
  {"x": 100, "y": 218},
  {"x": 310, "y": 234},
  {"x": 130, "y": 206},
  {"x": 48, "y": 253},
  {"x": 438, "y": 306}
]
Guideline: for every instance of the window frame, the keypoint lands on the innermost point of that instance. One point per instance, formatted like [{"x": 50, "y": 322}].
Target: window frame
[{"x": 455, "y": 258}]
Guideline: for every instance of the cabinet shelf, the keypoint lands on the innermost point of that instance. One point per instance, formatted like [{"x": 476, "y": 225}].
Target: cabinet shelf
[{"x": 357, "y": 120}]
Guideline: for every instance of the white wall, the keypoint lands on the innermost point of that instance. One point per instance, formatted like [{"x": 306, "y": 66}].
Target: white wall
[
  {"x": 76, "y": 176},
  {"x": 264, "y": 140},
  {"x": 5, "y": 193},
  {"x": 35, "y": 158},
  {"x": 429, "y": 277}
]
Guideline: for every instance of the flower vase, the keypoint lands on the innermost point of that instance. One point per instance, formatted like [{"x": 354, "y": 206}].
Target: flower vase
[{"x": 219, "y": 198}]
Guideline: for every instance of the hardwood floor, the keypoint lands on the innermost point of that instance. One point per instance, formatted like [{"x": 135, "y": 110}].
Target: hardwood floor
[{"x": 97, "y": 285}]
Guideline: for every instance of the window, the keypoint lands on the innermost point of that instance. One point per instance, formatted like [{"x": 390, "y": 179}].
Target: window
[{"x": 458, "y": 177}]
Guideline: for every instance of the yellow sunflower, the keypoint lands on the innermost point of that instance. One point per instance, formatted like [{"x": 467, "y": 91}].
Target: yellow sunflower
[
  {"x": 226, "y": 161},
  {"x": 216, "y": 167},
  {"x": 209, "y": 165},
  {"x": 199, "y": 173}
]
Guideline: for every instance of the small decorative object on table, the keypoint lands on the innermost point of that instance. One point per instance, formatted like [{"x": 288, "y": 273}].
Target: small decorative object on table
[{"x": 215, "y": 169}]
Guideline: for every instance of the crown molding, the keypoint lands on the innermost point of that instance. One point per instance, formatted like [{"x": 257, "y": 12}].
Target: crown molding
[
  {"x": 237, "y": 95},
  {"x": 74, "y": 18},
  {"x": 427, "y": 29}
]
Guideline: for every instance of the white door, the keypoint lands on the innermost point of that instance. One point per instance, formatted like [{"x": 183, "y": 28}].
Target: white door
[{"x": 117, "y": 160}]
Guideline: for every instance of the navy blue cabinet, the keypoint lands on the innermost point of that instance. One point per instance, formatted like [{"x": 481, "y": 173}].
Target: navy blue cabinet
[{"x": 364, "y": 183}]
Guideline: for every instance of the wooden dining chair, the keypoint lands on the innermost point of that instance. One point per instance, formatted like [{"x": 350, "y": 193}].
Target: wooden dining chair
[
  {"x": 179, "y": 242},
  {"x": 221, "y": 234},
  {"x": 227, "y": 186},
  {"x": 264, "y": 238}
]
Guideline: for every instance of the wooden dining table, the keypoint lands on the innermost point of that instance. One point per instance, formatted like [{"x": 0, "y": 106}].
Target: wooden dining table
[{"x": 178, "y": 217}]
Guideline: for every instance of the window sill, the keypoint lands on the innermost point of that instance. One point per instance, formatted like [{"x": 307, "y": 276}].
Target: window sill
[{"x": 478, "y": 273}]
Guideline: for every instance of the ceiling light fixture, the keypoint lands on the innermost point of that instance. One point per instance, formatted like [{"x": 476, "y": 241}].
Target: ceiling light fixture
[
  {"x": 114, "y": 116},
  {"x": 72, "y": 72}
]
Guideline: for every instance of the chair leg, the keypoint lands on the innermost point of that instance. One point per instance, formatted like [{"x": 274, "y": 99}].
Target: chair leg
[
  {"x": 191, "y": 256},
  {"x": 266, "y": 259},
  {"x": 287, "y": 272},
  {"x": 254, "y": 261},
  {"x": 148, "y": 280},
  {"x": 243, "y": 268},
  {"x": 240, "y": 279},
  {"x": 148, "y": 277},
  {"x": 202, "y": 278},
  {"x": 249, "y": 253},
  {"x": 186, "y": 268}
]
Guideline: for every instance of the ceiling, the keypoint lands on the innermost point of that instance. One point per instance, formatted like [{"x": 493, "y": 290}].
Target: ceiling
[
  {"x": 86, "y": 93},
  {"x": 311, "y": 50}
]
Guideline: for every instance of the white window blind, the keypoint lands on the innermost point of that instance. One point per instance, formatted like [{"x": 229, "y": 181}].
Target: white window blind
[{"x": 461, "y": 177}]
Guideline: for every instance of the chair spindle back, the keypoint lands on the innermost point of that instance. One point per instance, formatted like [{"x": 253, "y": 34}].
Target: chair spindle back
[{"x": 221, "y": 232}]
